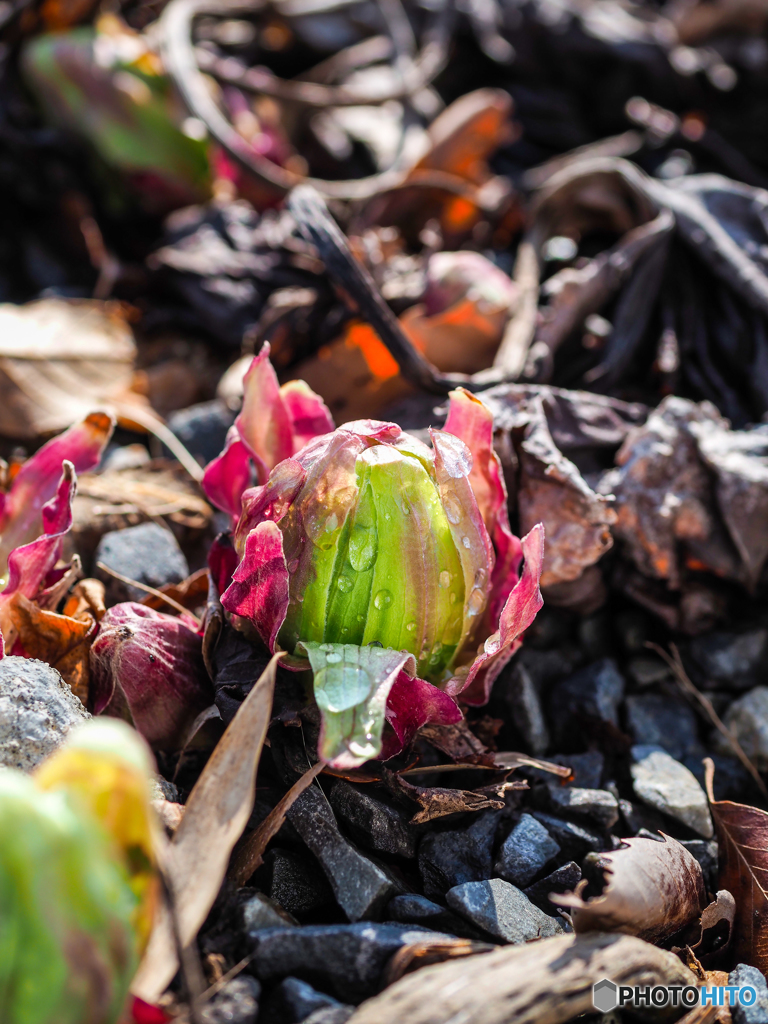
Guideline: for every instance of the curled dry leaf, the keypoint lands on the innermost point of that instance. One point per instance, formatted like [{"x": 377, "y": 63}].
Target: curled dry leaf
[
  {"x": 742, "y": 835},
  {"x": 215, "y": 816},
  {"x": 437, "y": 802},
  {"x": 654, "y": 890}
]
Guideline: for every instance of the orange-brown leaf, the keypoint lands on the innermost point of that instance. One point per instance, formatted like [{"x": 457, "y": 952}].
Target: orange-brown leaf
[{"x": 62, "y": 641}]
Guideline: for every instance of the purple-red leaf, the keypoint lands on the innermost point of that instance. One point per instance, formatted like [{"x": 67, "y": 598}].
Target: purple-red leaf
[{"x": 147, "y": 667}]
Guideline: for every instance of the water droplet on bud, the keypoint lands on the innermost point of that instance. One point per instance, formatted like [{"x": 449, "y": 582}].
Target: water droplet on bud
[
  {"x": 410, "y": 626},
  {"x": 481, "y": 578},
  {"x": 345, "y": 584},
  {"x": 293, "y": 565},
  {"x": 444, "y": 579},
  {"x": 476, "y": 602},
  {"x": 333, "y": 658},
  {"x": 454, "y": 513},
  {"x": 362, "y": 548},
  {"x": 466, "y": 542},
  {"x": 382, "y": 600}
]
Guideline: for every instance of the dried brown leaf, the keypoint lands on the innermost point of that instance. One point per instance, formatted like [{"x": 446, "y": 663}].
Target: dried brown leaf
[
  {"x": 61, "y": 641},
  {"x": 250, "y": 855},
  {"x": 742, "y": 835},
  {"x": 654, "y": 890},
  {"x": 58, "y": 359},
  {"x": 216, "y": 814}
]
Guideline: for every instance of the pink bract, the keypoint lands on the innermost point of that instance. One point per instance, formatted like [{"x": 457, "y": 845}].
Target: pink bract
[{"x": 274, "y": 423}]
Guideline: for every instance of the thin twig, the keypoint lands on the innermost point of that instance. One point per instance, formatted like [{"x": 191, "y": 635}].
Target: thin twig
[
  {"x": 149, "y": 590},
  {"x": 705, "y": 706}
]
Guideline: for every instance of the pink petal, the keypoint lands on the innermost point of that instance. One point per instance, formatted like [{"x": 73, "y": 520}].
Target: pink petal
[
  {"x": 36, "y": 481},
  {"x": 453, "y": 464},
  {"x": 222, "y": 562},
  {"x": 413, "y": 702},
  {"x": 259, "y": 588},
  {"x": 264, "y": 422},
  {"x": 228, "y": 475},
  {"x": 309, "y": 415},
  {"x": 472, "y": 421},
  {"x": 148, "y": 667},
  {"x": 271, "y": 500},
  {"x": 29, "y": 565},
  {"x": 516, "y": 616}
]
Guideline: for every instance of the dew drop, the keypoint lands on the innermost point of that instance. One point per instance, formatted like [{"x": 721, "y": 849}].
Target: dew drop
[
  {"x": 331, "y": 523},
  {"x": 481, "y": 578},
  {"x": 293, "y": 565},
  {"x": 454, "y": 513},
  {"x": 406, "y": 509},
  {"x": 454, "y": 597},
  {"x": 362, "y": 548},
  {"x": 475, "y": 602},
  {"x": 326, "y": 647},
  {"x": 333, "y": 658},
  {"x": 382, "y": 600},
  {"x": 435, "y": 654},
  {"x": 410, "y": 626},
  {"x": 444, "y": 579},
  {"x": 466, "y": 542},
  {"x": 345, "y": 584}
]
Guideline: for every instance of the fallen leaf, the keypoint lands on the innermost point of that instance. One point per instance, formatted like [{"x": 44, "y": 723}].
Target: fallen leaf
[
  {"x": 250, "y": 855},
  {"x": 458, "y": 742},
  {"x": 653, "y": 890},
  {"x": 742, "y": 836},
  {"x": 216, "y": 814},
  {"x": 59, "y": 358},
  {"x": 62, "y": 641},
  {"x": 438, "y": 802}
]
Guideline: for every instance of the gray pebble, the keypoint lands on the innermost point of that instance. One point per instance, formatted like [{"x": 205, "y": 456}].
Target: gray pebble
[
  {"x": 37, "y": 711},
  {"x": 373, "y": 823},
  {"x": 757, "y": 1013},
  {"x": 563, "y": 879},
  {"x": 502, "y": 911},
  {"x": 361, "y": 887},
  {"x": 655, "y": 720},
  {"x": 449, "y": 858},
  {"x": 146, "y": 553},
  {"x": 732, "y": 660},
  {"x": 346, "y": 959},
  {"x": 663, "y": 783},
  {"x": 259, "y": 912},
  {"x": 594, "y": 693},
  {"x": 524, "y": 702},
  {"x": 525, "y": 851},
  {"x": 597, "y": 805},
  {"x": 575, "y": 841},
  {"x": 747, "y": 718}
]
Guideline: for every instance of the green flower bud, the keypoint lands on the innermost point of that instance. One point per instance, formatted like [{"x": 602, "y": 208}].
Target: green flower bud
[{"x": 383, "y": 567}]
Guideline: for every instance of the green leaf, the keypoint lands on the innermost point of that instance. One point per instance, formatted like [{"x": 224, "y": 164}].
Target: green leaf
[{"x": 351, "y": 685}]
